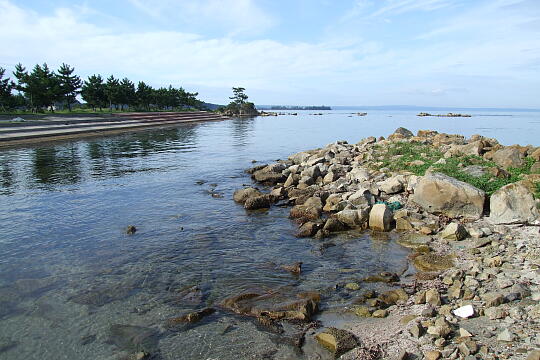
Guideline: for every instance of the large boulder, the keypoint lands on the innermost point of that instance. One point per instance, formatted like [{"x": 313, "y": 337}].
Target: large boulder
[
  {"x": 337, "y": 341},
  {"x": 272, "y": 174},
  {"x": 259, "y": 202},
  {"x": 393, "y": 185},
  {"x": 441, "y": 194},
  {"x": 401, "y": 133},
  {"x": 380, "y": 217},
  {"x": 353, "y": 218},
  {"x": 508, "y": 157},
  {"x": 513, "y": 204}
]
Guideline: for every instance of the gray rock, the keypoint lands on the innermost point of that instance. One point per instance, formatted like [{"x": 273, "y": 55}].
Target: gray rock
[
  {"x": 508, "y": 157},
  {"x": 513, "y": 204},
  {"x": 454, "y": 231},
  {"x": 380, "y": 218},
  {"x": 441, "y": 194}
]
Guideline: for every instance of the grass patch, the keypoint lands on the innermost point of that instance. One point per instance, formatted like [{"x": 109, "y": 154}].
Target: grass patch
[{"x": 399, "y": 156}]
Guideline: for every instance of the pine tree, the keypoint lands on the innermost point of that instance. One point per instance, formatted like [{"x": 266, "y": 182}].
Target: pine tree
[
  {"x": 127, "y": 92},
  {"x": 6, "y": 87},
  {"x": 112, "y": 91},
  {"x": 93, "y": 92},
  {"x": 69, "y": 84},
  {"x": 144, "y": 95}
]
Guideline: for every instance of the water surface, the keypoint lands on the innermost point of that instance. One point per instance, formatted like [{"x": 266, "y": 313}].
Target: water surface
[{"x": 73, "y": 285}]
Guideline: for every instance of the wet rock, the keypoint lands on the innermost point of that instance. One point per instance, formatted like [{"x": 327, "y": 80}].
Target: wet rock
[
  {"x": 259, "y": 202},
  {"x": 384, "y": 277},
  {"x": 508, "y": 157},
  {"x": 192, "y": 317},
  {"x": 240, "y": 196},
  {"x": 337, "y": 341},
  {"x": 454, "y": 231},
  {"x": 391, "y": 297},
  {"x": 295, "y": 268},
  {"x": 308, "y": 229},
  {"x": 268, "y": 175},
  {"x": 380, "y": 218},
  {"x": 134, "y": 338},
  {"x": 334, "y": 225},
  {"x": 275, "y": 305},
  {"x": 131, "y": 229},
  {"x": 414, "y": 240},
  {"x": 352, "y": 286},
  {"x": 441, "y": 194},
  {"x": 362, "y": 311},
  {"x": 433, "y": 262},
  {"x": 381, "y": 313},
  {"x": 512, "y": 204}
]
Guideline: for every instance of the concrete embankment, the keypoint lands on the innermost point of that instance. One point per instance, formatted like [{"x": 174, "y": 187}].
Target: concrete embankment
[{"x": 61, "y": 127}]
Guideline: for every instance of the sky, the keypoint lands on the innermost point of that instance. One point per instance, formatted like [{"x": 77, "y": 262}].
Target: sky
[{"x": 454, "y": 53}]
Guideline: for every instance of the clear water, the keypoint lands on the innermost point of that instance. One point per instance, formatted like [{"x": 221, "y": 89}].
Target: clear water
[{"x": 69, "y": 275}]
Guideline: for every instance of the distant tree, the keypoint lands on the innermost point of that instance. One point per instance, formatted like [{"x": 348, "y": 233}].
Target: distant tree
[
  {"x": 23, "y": 85},
  {"x": 239, "y": 97},
  {"x": 127, "y": 93},
  {"x": 69, "y": 84},
  {"x": 113, "y": 91},
  {"x": 93, "y": 92},
  {"x": 44, "y": 87},
  {"x": 144, "y": 95},
  {"x": 7, "y": 99}
]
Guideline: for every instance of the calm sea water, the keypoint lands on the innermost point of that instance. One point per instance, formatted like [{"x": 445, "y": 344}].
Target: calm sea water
[{"x": 69, "y": 276}]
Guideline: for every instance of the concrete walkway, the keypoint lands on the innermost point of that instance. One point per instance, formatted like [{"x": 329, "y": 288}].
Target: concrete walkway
[{"x": 63, "y": 128}]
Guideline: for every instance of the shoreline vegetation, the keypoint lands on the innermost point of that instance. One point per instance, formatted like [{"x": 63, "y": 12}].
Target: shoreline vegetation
[{"x": 467, "y": 208}]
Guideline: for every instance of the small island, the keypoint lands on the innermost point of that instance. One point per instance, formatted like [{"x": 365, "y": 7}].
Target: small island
[
  {"x": 444, "y": 115},
  {"x": 239, "y": 106}
]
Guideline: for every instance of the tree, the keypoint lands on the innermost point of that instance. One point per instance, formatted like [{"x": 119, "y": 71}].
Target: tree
[
  {"x": 239, "y": 97},
  {"x": 93, "y": 92},
  {"x": 44, "y": 87},
  {"x": 22, "y": 85},
  {"x": 112, "y": 91},
  {"x": 144, "y": 95},
  {"x": 69, "y": 84},
  {"x": 127, "y": 93},
  {"x": 6, "y": 86}
]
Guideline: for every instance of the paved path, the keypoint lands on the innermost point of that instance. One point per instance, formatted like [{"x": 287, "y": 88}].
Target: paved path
[{"x": 68, "y": 127}]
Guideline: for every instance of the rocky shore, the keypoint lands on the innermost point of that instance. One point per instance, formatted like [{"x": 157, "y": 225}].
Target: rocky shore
[{"x": 467, "y": 209}]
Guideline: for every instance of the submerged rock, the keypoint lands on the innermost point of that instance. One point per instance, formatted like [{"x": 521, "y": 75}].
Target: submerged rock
[
  {"x": 274, "y": 305},
  {"x": 240, "y": 196},
  {"x": 192, "y": 317},
  {"x": 134, "y": 338},
  {"x": 433, "y": 262},
  {"x": 259, "y": 202},
  {"x": 131, "y": 229}
]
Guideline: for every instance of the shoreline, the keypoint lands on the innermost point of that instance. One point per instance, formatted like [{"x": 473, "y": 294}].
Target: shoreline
[
  {"x": 80, "y": 127},
  {"x": 476, "y": 291}
]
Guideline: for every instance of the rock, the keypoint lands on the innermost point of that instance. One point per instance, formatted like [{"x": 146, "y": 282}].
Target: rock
[
  {"x": 414, "y": 241},
  {"x": 358, "y": 174},
  {"x": 535, "y": 168},
  {"x": 433, "y": 262},
  {"x": 192, "y": 317},
  {"x": 464, "y": 333},
  {"x": 353, "y": 218},
  {"x": 269, "y": 175},
  {"x": 134, "y": 338},
  {"x": 275, "y": 305},
  {"x": 295, "y": 268},
  {"x": 305, "y": 212},
  {"x": 494, "y": 299},
  {"x": 352, "y": 286},
  {"x": 384, "y": 277},
  {"x": 401, "y": 133},
  {"x": 131, "y": 229},
  {"x": 468, "y": 347},
  {"x": 380, "y": 218},
  {"x": 440, "y": 329},
  {"x": 505, "y": 336},
  {"x": 334, "y": 225},
  {"x": 475, "y": 170},
  {"x": 391, "y": 297},
  {"x": 337, "y": 341},
  {"x": 258, "y": 202},
  {"x": 432, "y": 355},
  {"x": 403, "y": 355},
  {"x": 513, "y": 204},
  {"x": 403, "y": 224},
  {"x": 494, "y": 313},
  {"x": 362, "y": 311},
  {"x": 240, "y": 196},
  {"x": 433, "y": 297},
  {"x": 380, "y": 313},
  {"x": 534, "y": 355},
  {"x": 308, "y": 229},
  {"x": 464, "y": 312},
  {"x": 441, "y": 194},
  {"x": 393, "y": 185},
  {"x": 416, "y": 331},
  {"x": 454, "y": 231},
  {"x": 508, "y": 157}
]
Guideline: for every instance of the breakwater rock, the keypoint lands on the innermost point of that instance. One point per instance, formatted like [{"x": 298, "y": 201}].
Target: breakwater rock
[{"x": 467, "y": 208}]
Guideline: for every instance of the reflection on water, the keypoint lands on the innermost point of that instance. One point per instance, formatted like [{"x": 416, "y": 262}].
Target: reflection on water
[{"x": 73, "y": 285}]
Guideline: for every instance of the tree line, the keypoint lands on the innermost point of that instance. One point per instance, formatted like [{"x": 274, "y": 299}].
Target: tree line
[{"x": 42, "y": 88}]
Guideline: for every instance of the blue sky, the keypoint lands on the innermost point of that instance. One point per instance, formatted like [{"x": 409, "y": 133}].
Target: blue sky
[{"x": 463, "y": 53}]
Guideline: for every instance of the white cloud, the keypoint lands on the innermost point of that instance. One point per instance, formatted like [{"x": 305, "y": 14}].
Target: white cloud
[{"x": 233, "y": 16}]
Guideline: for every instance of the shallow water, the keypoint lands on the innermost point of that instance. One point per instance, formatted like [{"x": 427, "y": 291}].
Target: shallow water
[{"x": 73, "y": 285}]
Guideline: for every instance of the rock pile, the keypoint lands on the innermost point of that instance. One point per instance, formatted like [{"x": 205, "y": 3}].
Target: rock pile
[{"x": 477, "y": 290}]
